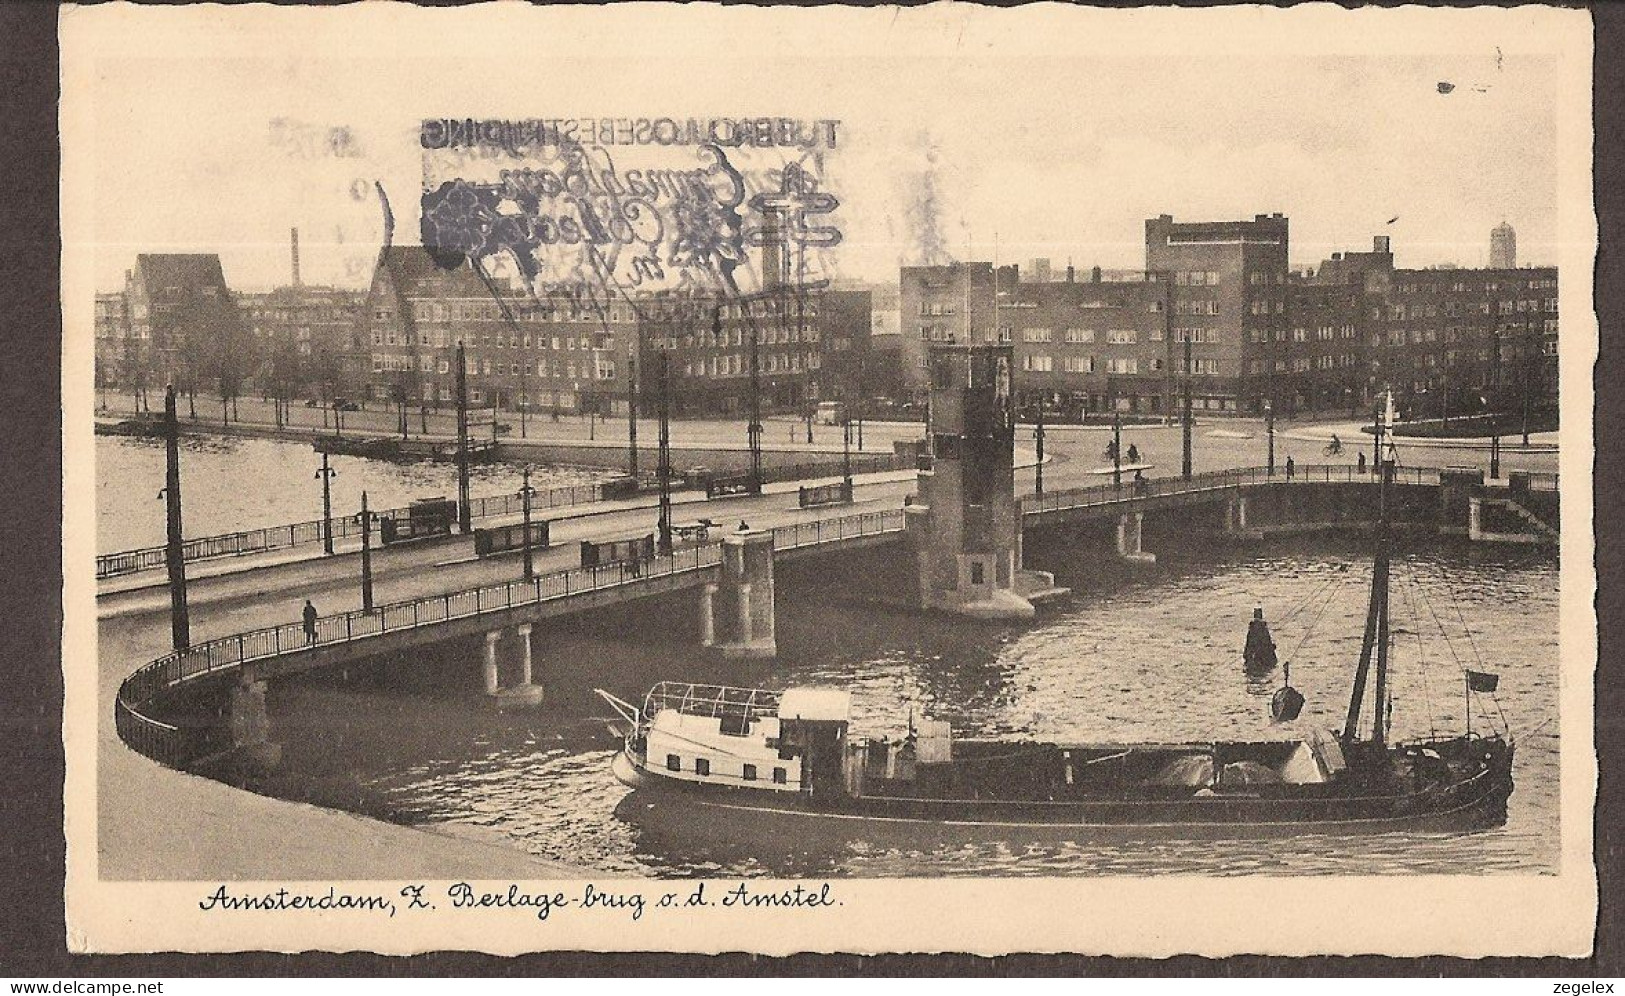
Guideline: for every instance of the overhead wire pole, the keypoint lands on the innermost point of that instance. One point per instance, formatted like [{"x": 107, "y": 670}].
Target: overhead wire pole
[
  {"x": 1185, "y": 463},
  {"x": 464, "y": 518},
  {"x": 665, "y": 453},
  {"x": 632, "y": 407},
  {"x": 174, "y": 550}
]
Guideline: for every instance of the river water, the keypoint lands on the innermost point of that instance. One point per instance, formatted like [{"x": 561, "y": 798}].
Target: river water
[
  {"x": 233, "y": 483},
  {"x": 1136, "y": 654}
]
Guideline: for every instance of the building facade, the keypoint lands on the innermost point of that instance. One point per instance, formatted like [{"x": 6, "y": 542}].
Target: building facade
[
  {"x": 1091, "y": 347},
  {"x": 184, "y": 326},
  {"x": 709, "y": 342},
  {"x": 942, "y": 305},
  {"x": 1227, "y": 296},
  {"x": 562, "y": 352},
  {"x": 299, "y": 334}
]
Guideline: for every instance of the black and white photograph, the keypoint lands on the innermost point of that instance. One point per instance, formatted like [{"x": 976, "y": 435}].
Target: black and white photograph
[{"x": 658, "y": 477}]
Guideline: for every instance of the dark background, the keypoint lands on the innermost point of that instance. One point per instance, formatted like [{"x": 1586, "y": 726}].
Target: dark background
[{"x": 31, "y": 761}]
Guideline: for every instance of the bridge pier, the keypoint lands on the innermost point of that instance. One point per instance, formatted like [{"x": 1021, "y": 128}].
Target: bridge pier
[
  {"x": 524, "y": 693},
  {"x": 1235, "y": 514},
  {"x": 740, "y": 622},
  {"x": 1130, "y": 537},
  {"x": 251, "y": 743},
  {"x": 708, "y": 628}
]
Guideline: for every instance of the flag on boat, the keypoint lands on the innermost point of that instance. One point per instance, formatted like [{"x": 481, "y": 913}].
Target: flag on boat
[{"x": 1482, "y": 681}]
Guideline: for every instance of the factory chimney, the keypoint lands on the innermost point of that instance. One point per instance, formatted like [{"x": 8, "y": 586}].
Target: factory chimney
[{"x": 295, "y": 251}]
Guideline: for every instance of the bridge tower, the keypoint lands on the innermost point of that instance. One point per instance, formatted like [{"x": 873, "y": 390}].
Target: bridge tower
[{"x": 965, "y": 528}]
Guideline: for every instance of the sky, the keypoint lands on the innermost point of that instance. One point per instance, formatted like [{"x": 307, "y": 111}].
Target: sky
[{"x": 994, "y": 146}]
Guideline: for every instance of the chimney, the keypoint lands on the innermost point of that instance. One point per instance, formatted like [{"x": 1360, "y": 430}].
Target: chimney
[
  {"x": 1379, "y": 243},
  {"x": 1094, "y": 275},
  {"x": 294, "y": 238},
  {"x": 1071, "y": 274}
]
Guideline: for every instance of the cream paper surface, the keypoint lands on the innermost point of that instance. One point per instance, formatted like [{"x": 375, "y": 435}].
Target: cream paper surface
[{"x": 379, "y": 70}]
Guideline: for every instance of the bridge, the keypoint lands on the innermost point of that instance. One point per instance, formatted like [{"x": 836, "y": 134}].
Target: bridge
[{"x": 281, "y": 650}]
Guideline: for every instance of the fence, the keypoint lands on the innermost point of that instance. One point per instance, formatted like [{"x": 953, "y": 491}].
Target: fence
[
  {"x": 301, "y": 533},
  {"x": 175, "y": 745},
  {"x": 1101, "y": 494}
]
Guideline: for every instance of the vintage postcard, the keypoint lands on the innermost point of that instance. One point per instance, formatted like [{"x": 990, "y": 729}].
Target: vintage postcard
[{"x": 673, "y": 477}]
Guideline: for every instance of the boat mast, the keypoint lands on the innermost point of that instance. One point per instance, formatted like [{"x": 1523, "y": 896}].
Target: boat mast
[{"x": 1376, "y": 620}]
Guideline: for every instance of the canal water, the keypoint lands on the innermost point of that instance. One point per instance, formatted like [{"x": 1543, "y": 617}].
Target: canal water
[
  {"x": 1136, "y": 654},
  {"x": 233, "y": 483}
]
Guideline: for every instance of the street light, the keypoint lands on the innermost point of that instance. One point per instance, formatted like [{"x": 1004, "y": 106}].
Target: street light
[
  {"x": 366, "y": 519},
  {"x": 325, "y": 474},
  {"x": 1269, "y": 434},
  {"x": 1117, "y": 449},
  {"x": 1038, "y": 445},
  {"x": 525, "y": 493},
  {"x": 846, "y": 455}
]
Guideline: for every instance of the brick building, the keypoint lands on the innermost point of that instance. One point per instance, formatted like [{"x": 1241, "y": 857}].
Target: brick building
[
  {"x": 1227, "y": 295},
  {"x": 1093, "y": 346},
  {"x": 946, "y": 304},
  {"x": 184, "y": 327},
  {"x": 708, "y": 342},
  {"x": 298, "y": 334},
  {"x": 561, "y": 352}
]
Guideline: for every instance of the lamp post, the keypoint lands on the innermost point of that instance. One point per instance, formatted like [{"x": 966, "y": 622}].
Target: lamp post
[
  {"x": 846, "y": 455},
  {"x": 1038, "y": 446},
  {"x": 326, "y": 475},
  {"x": 1117, "y": 449},
  {"x": 1376, "y": 439},
  {"x": 1269, "y": 434},
  {"x": 525, "y": 493},
  {"x": 366, "y": 519}
]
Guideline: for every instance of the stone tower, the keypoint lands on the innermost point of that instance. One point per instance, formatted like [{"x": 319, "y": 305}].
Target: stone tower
[{"x": 966, "y": 529}]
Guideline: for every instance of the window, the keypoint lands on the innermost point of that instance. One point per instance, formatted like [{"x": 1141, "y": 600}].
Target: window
[
  {"x": 1037, "y": 363},
  {"x": 1122, "y": 365},
  {"x": 749, "y": 773},
  {"x": 780, "y": 776},
  {"x": 702, "y": 766},
  {"x": 1080, "y": 335},
  {"x": 674, "y": 763},
  {"x": 978, "y": 572},
  {"x": 1122, "y": 337},
  {"x": 1078, "y": 364},
  {"x": 1037, "y": 335}
]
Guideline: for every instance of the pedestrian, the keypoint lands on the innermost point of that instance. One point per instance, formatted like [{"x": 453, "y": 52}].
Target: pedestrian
[
  {"x": 744, "y": 526},
  {"x": 1289, "y": 468},
  {"x": 310, "y": 622},
  {"x": 1133, "y": 453},
  {"x": 1361, "y": 465}
]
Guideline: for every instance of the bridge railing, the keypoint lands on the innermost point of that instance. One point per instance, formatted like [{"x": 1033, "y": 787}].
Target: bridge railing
[
  {"x": 1105, "y": 494},
  {"x": 171, "y": 744},
  {"x": 270, "y": 538},
  {"x": 344, "y": 525}
]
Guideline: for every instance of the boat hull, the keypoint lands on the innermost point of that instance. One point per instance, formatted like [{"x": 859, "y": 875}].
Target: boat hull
[{"x": 1475, "y": 803}]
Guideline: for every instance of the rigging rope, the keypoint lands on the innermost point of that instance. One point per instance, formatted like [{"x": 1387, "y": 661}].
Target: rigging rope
[{"x": 1411, "y": 594}]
